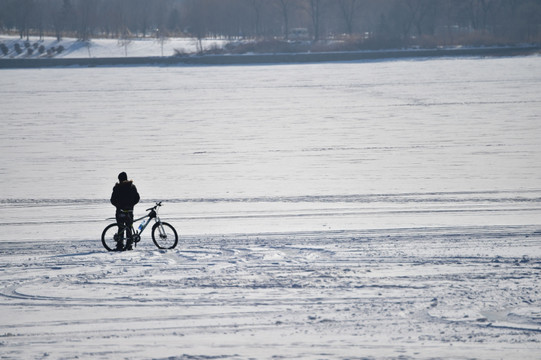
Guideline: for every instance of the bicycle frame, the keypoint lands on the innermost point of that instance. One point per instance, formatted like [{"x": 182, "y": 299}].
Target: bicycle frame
[
  {"x": 153, "y": 214},
  {"x": 163, "y": 234},
  {"x": 143, "y": 225}
]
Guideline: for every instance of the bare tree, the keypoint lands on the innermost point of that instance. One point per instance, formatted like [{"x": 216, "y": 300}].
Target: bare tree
[
  {"x": 141, "y": 15},
  {"x": 347, "y": 10},
  {"x": 257, "y": 7},
  {"x": 395, "y": 21},
  {"x": 314, "y": 8},
  {"x": 23, "y": 15},
  {"x": 419, "y": 11},
  {"x": 198, "y": 25},
  {"x": 125, "y": 41},
  {"x": 87, "y": 18},
  {"x": 41, "y": 15},
  {"x": 162, "y": 38},
  {"x": 479, "y": 11},
  {"x": 173, "y": 22},
  {"x": 285, "y": 9},
  {"x": 530, "y": 12},
  {"x": 63, "y": 18}
]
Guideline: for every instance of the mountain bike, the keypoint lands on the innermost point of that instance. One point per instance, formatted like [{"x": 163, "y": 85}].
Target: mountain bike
[{"x": 164, "y": 235}]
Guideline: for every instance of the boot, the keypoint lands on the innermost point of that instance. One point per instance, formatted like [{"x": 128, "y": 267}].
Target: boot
[
  {"x": 129, "y": 243},
  {"x": 119, "y": 242}
]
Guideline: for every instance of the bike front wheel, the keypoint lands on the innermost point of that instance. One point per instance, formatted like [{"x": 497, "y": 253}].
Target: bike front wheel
[
  {"x": 164, "y": 235},
  {"x": 109, "y": 238}
]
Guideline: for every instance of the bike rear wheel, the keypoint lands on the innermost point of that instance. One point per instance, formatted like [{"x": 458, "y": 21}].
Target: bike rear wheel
[
  {"x": 109, "y": 238},
  {"x": 164, "y": 236}
]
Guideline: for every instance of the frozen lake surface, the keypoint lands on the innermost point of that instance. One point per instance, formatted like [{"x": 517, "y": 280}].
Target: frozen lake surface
[{"x": 379, "y": 209}]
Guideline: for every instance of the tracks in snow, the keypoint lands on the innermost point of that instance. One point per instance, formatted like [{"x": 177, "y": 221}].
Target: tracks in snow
[{"x": 402, "y": 286}]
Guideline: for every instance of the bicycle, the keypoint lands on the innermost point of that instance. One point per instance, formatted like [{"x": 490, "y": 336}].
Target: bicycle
[{"x": 164, "y": 234}]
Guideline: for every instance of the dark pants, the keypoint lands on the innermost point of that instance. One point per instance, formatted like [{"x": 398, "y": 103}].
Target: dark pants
[{"x": 124, "y": 219}]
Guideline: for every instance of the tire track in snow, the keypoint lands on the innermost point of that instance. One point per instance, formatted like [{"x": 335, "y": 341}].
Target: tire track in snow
[{"x": 420, "y": 285}]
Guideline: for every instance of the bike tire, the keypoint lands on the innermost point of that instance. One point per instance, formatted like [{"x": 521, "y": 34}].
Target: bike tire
[
  {"x": 108, "y": 238},
  {"x": 166, "y": 240}
]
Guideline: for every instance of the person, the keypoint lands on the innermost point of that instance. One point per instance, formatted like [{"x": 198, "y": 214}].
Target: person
[{"x": 124, "y": 198}]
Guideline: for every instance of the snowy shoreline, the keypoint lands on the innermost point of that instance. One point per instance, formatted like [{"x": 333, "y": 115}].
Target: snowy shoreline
[{"x": 282, "y": 58}]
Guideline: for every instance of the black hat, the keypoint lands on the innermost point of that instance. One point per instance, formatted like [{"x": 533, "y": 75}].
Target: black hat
[{"x": 122, "y": 176}]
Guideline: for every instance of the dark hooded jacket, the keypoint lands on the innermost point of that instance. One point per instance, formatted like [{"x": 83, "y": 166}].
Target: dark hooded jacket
[{"x": 125, "y": 195}]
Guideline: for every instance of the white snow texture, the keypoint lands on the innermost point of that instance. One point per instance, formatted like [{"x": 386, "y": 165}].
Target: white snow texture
[{"x": 385, "y": 209}]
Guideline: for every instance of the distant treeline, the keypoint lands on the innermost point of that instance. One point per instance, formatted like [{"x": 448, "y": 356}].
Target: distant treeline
[{"x": 387, "y": 23}]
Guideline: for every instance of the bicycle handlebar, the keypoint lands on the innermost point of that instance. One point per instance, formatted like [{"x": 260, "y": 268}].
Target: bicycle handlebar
[{"x": 158, "y": 204}]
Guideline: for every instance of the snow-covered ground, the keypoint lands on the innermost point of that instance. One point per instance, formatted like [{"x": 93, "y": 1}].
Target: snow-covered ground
[
  {"x": 99, "y": 48},
  {"x": 355, "y": 210}
]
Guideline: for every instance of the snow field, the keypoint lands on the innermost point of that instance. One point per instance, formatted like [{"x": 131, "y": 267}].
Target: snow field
[
  {"x": 412, "y": 293},
  {"x": 328, "y": 211}
]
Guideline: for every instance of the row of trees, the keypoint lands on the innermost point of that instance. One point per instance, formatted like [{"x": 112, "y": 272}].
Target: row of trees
[{"x": 508, "y": 20}]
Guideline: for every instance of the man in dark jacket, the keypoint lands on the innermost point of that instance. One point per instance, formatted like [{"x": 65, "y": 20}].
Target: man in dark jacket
[{"x": 124, "y": 198}]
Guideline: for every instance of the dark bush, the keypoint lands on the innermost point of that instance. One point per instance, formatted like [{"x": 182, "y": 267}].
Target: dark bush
[
  {"x": 267, "y": 46},
  {"x": 4, "y": 49},
  {"x": 377, "y": 43},
  {"x": 215, "y": 50},
  {"x": 479, "y": 38},
  {"x": 18, "y": 48},
  {"x": 41, "y": 49},
  {"x": 59, "y": 49},
  {"x": 29, "y": 51},
  {"x": 181, "y": 53}
]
